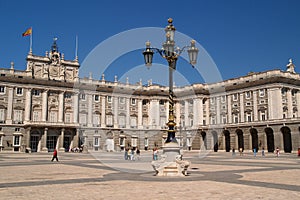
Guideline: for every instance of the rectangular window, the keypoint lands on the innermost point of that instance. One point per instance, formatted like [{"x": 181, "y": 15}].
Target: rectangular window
[
  {"x": 109, "y": 120},
  {"x": 96, "y": 141},
  {"x": 224, "y": 119},
  {"x": 235, "y": 118},
  {"x": 19, "y": 91},
  {"x": 133, "y": 101},
  {"x": 146, "y": 142},
  {"x": 248, "y": 95},
  {"x": 134, "y": 142},
  {"x": 213, "y": 120},
  {"x": 122, "y": 121},
  {"x": 2, "y": 115},
  {"x": 263, "y": 116},
  {"x": 122, "y": 100},
  {"x": 17, "y": 140},
  {"x": 262, "y": 92},
  {"x": 18, "y": 116},
  {"x": 96, "y": 119},
  {"x": 223, "y": 99},
  {"x": 82, "y": 118},
  {"x": 36, "y": 116},
  {"x": 249, "y": 119},
  {"x": 133, "y": 122},
  {"x": 122, "y": 141},
  {"x": 36, "y": 92},
  {"x": 96, "y": 97},
  {"x": 68, "y": 95},
  {"x": 235, "y": 97},
  {"x": 68, "y": 117},
  {"x": 82, "y": 96},
  {"x": 109, "y": 99},
  {"x": 53, "y": 117},
  {"x": 2, "y": 89}
]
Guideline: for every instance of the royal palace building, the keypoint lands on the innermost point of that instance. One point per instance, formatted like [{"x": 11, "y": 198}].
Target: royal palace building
[{"x": 48, "y": 106}]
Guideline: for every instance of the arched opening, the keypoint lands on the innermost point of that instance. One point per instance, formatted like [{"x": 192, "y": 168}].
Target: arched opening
[
  {"x": 254, "y": 136},
  {"x": 204, "y": 139},
  {"x": 35, "y": 138},
  {"x": 215, "y": 141},
  {"x": 270, "y": 139},
  {"x": 287, "y": 139},
  {"x": 240, "y": 135},
  {"x": 227, "y": 140}
]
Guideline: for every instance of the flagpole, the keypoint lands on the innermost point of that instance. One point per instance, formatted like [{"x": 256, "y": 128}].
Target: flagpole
[{"x": 30, "y": 44}]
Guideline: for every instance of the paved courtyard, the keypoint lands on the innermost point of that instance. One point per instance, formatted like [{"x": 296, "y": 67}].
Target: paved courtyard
[{"x": 103, "y": 175}]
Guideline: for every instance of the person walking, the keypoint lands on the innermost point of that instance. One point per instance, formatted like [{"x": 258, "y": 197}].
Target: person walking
[
  {"x": 233, "y": 152},
  {"x": 263, "y": 152},
  {"x": 254, "y": 151},
  {"x": 126, "y": 154},
  {"x": 54, "y": 155},
  {"x": 138, "y": 153},
  {"x": 277, "y": 152}
]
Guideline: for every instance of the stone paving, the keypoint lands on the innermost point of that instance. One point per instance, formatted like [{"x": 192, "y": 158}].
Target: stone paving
[{"x": 106, "y": 175}]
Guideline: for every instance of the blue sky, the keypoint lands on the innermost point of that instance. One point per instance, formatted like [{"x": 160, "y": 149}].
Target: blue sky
[{"x": 239, "y": 35}]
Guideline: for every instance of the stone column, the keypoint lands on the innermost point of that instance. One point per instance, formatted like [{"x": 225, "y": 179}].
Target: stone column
[
  {"x": 218, "y": 111},
  {"x": 44, "y": 105},
  {"x": 255, "y": 109},
  {"x": 298, "y": 104},
  {"x": 207, "y": 112},
  {"x": 61, "y": 140},
  {"x": 127, "y": 100},
  {"x": 103, "y": 104},
  {"x": 289, "y": 104},
  {"x": 61, "y": 107},
  {"x": 75, "y": 107},
  {"x": 242, "y": 110},
  {"x": 200, "y": 112},
  {"x": 250, "y": 142},
  {"x": 224, "y": 142},
  {"x": 229, "y": 109},
  {"x": 90, "y": 110},
  {"x": 27, "y": 105},
  {"x": 167, "y": 111},
  {"x": 28, "y": 139},
  {"x": 44, "y": 145},
  {"x": 76, "y": 139},
  {"x": 140, "y": 113},
  {"x": 196, "y": 112},
  {"x": 236, "y": 142},
  {"x": 115, "y": 111},
  {"x": 186, "y": 114},
  {"x": 9, "y": 105}
]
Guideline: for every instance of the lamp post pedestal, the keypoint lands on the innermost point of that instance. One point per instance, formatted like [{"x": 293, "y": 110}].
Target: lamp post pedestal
[{"x": 171, "y": 163}]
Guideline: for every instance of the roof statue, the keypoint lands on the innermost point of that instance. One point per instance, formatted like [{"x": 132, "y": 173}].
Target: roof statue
[{"x": 290, "y": 67}]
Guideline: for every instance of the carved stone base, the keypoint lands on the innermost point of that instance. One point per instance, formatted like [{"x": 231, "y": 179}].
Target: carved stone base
[{"x": 171, "y": 163}]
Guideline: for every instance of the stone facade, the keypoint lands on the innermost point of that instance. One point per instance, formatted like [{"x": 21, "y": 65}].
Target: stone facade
[{"x": 48, "y": 106}]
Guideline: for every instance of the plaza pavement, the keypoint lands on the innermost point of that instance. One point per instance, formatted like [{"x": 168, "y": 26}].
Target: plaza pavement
[{"x": 106, "y": 175}]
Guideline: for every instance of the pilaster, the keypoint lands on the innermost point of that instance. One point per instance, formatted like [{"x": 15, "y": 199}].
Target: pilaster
[
  {"x": 60, "y": 106},
  {"x": 44, "y": 105}
]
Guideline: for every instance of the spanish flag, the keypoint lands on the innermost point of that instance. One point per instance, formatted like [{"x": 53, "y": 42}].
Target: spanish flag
[{"x": 27, "y": 32}]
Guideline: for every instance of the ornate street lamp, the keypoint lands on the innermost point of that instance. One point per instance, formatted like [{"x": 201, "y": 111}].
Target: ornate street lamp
[{"x": 171, "y": 54}]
